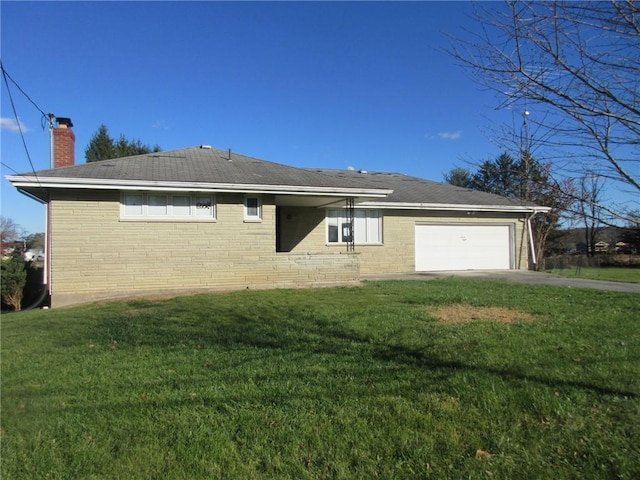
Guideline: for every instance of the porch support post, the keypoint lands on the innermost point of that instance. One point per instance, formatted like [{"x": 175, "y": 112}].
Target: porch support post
[{"x": 351, "y": 243}]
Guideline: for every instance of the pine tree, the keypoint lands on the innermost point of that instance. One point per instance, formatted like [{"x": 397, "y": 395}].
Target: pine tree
[
  {"x": 13, "y": 280},
  {"x": 103, "y": 147}
]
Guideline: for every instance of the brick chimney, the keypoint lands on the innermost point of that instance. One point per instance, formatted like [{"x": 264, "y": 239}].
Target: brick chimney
[{"x": 64, "y": 143}]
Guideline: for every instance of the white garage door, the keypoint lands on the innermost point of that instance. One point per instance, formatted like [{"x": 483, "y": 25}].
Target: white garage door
[{"x": 462, "y": 247}]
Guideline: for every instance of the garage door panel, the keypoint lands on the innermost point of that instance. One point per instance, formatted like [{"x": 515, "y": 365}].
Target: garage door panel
[{"x": 462, "y": 247}]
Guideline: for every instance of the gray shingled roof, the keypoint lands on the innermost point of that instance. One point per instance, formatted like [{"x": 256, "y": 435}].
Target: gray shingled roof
[
  {"x": 199, "y": 165},
  {"x": 414, "y": 190},
  {"x": 213, "y": 166}
]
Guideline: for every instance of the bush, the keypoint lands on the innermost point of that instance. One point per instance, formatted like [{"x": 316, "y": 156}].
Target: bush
[{"x": 14, "y": 278}]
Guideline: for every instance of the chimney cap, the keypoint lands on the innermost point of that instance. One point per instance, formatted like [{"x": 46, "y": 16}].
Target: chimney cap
[{"x": 64, "y": 122}]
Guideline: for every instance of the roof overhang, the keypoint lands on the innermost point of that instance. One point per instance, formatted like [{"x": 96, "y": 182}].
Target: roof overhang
[
  {"x": 37, "y": 186},
  {"x": 293, "y": 195}
]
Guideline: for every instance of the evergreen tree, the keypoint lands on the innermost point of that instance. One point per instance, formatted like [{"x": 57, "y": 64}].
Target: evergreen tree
[
  {"x": 13, "y": 280},
  {"x": 458, "y": 176},
  {"x": 529, "y": 181},
  {"x": 103, "y": 147}
]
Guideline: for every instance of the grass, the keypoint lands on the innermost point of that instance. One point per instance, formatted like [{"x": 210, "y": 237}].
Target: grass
[
  {"x": 333, "y": 383},
  {"x": 612, "y": 274}
]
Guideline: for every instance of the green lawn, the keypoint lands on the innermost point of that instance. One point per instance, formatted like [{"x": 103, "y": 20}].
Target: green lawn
[
  {"x": 613, "y": 274},
  {"x": 330, "y": 383}
]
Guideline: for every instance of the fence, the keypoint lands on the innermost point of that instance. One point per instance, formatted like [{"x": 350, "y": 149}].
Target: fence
[{"x": 561, "y": 262}]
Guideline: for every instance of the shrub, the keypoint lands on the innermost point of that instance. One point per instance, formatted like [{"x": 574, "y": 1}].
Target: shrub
[{"x": 14, "y": 278}]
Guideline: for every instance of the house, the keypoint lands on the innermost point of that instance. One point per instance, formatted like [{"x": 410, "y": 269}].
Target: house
[
  {"x": 202, "y": 219},
  {"x": 623, "y": 248},
  {"x": 7, "y": 249},
  {"x": 33, "y": 255}
]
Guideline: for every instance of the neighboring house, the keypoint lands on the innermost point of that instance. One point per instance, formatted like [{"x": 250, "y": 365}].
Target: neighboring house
[
  {"x": 624, "y": 248},
  {"x": 33, "y": 255},
  {"x": 8, "y": 249},
  {"x": 201, "y": 219}
]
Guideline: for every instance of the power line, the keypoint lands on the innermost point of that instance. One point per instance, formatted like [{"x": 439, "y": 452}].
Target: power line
[
  {"x": 6, "y": 75},
  {"x": 7, "y": 166},
  {"x": 15, "y": 114}
]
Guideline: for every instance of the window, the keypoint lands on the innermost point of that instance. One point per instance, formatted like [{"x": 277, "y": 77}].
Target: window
[
  {"x": 252, "y": 209},
  {"x": 333, "y": 225},
  {"x": 181, "y": 205},
  {"x": 166, "y": 206},
  {"x": 367, "y": 226},
  {"x": 157, "y": 205},
  {"x": 132, "y": 204}
]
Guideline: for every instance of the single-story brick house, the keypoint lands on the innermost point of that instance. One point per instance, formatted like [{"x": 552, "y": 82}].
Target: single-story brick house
[{"x": 201, "y": 219}]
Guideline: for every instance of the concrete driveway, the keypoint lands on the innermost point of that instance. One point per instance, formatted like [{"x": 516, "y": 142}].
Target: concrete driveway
[{"x": 518, "y": 276}]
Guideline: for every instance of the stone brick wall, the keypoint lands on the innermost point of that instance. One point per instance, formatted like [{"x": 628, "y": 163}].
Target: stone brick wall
[
  {"x": 97, "y": 255},
  {"x": 397, "y": 252}
]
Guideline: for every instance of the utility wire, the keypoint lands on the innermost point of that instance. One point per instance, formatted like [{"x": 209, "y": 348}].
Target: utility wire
[
  {"x": 7, "y": 166},
  {"x": 6, "y": 75},
  {"x": 15, "y": 114}
]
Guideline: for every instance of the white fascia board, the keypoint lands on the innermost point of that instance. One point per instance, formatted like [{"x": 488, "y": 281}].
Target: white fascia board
[
  {"x": 109, "y": 184},
  {"x": 455, "y": 207}
]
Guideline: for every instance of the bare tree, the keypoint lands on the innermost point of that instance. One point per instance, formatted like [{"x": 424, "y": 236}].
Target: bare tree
[
  {"x": 578, "y": 64},
  {"x": 591, "y": 190},
  {"x": 631, "y": 232},
  {"x": 526, "y": 179},
  {"x": 10, "y": 232}
]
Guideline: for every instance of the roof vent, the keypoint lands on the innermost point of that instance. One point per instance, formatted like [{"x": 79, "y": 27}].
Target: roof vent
[{"x": 206, "y": 147}]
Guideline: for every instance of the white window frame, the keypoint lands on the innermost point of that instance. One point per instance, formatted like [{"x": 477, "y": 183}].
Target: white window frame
[
  {"x": 250, "y": 216},
  {"x": 144, "y": 207},
  {"x": 367, "y": 226},
  {"x": 182, "y": 211},
  {"x": 157, "y": 205},
  {"x": 132, "y": 209}
]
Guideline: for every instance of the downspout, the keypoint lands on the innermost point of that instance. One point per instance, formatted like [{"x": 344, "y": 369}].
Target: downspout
[
  {"x": 46, "y": 274},
  {"x": 532, "y": 245}
]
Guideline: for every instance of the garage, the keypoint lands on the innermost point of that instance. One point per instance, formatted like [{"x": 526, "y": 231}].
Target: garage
[{"x": 463, "y": 247}]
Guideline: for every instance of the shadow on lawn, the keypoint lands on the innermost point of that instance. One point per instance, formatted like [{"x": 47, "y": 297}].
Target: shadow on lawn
[
  {"x": 292, "y": 330},
  {"x": 422, "y": 359}
]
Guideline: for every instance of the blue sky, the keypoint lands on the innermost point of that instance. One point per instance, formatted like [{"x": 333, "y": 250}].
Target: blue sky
[{"x": 309, "y": 84}]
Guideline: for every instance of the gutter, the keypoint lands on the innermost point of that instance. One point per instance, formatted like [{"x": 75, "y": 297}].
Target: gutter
[{"x": 106, "y": 184}]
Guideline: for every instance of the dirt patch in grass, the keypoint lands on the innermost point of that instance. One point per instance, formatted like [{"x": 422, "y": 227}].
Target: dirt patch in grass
[{"x": 460, "y": 313}]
